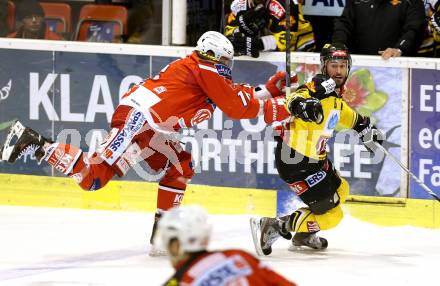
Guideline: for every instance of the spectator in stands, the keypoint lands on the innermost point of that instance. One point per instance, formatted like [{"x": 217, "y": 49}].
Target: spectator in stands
[
  {"x": 254, "y": 26},
  {"x": 434, "y": 25},
  {"x": 3, "y": 18},
  {"x": 141, "y": 23},
  {"x": 391, "y": 28},
  {"x": 30, "y": 19}
]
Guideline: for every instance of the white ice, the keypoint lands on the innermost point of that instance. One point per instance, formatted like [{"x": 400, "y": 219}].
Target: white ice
[{"x": 41, "y": 247}]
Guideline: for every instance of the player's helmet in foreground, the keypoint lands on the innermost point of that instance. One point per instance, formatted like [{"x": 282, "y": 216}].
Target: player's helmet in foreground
[
  {"x": 219, "y": 45},
  {"x": 188, "y": 224},
  {"x": 334, "y": 51}
]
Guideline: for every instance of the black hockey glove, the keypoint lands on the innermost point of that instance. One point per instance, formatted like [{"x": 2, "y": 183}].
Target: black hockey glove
[
  {"x": 322, "y": 85},
  {"x": 309, "y": 109},
  {"x": 251, "y": 21},
  {"x": 368, "y": 133},
  {"x": 246, "y": 46}
]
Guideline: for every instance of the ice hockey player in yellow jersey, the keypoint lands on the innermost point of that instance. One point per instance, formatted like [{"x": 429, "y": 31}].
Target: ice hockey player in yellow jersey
[{"x": 301, "y": 158}]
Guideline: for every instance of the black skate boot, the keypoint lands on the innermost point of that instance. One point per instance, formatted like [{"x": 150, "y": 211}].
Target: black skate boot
[
  {"x": 21, "y": 141},
  {"x": 154, "y": 250},
  {"x": 271, "y": 230},
  {"x": 309, "y": 239}
]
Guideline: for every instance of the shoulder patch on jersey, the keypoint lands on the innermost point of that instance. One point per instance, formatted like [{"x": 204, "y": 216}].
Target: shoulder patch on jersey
[{"x": 224, "y": 71}]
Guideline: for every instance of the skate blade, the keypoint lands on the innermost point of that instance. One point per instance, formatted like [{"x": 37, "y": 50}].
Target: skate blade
[
  {"x": 256, "y": 233},
  {"x": 157, "y": 252},
  {"x": 303, "y": 248},
  {"x": 16, "y": 130}
]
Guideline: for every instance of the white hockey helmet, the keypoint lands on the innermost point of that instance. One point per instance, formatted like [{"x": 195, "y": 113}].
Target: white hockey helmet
[
  {"x": 219, "y": 45},
  {"x": 188, "y": 224}
]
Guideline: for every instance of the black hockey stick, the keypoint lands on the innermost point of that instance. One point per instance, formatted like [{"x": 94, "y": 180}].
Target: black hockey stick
[
  {"x": 288, "y": 47},
  {"x": 425, "y": 187}
]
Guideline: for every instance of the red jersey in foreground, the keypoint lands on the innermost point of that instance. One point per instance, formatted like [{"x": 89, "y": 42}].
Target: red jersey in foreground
[{"x": 225, "y": 268}]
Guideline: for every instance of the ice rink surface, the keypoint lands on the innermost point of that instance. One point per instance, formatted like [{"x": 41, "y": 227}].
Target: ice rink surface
[{"x": 42, "y": 247}]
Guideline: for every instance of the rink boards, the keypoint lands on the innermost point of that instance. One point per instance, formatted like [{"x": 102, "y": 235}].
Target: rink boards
[
  {"x": 43, "y": 191},
  {"x": 68, "y": 91}
]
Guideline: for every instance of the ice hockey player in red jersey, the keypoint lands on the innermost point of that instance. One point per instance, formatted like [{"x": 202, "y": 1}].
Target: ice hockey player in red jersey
[
  {"x": 185, "y": 233},
  {"x": 182, "y": 95}
]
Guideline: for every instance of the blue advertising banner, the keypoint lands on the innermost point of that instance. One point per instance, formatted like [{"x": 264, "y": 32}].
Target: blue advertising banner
[
  {"x": 70, "y": 97},
  {"x": 425, "y": 131}
]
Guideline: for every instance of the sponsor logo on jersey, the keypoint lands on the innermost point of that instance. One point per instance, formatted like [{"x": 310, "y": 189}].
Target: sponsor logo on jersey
[
  {"x": 108, "y": 153},
  {"x": 276, "y": 9},
  {"x": 160, "y": 89},
  {"x": 314, "y": 179},
  {"x": 201, "y": 115},
  {"x": 123, "y": 138},
  {"x": 227, "y": 272},
  {"x": 223, "y": 71},
  {"x": 321, "y": 145},
  {"x": 177, "y": 200},
  {"x": 332, "y": 121},
  {"x": 123, "y": 165},
  {"x": 299, "y": 187},
  {"x": 60, "y": 160}
]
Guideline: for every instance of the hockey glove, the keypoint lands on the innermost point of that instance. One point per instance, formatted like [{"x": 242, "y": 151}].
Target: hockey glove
[
  {"x": 368, "y": 133},
  {"x": 276, "y": 85},
  {"x": 321, "y": 85},
  {"x": 251, "y": 21},
  {"x": 246, "y": 46},
  {"x": 309, "y": 109},
  {"x": 274, "y": 110}
]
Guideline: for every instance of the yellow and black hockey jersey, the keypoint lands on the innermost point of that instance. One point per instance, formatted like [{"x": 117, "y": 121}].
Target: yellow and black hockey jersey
[
  {"x": 310, "y": 138},
  {"x": 302, "y": 38}
]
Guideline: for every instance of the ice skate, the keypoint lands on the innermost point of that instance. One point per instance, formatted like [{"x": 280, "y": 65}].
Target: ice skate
[
  {"x": 22, "y": 141},
  {"x": 155, "y": 251},
  {"x": 265, "y": 232},
  {"x": 307, "y": 239}
]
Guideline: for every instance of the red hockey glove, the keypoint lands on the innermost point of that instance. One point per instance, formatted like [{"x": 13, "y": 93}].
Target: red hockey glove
[
  {"x": 274, "y": 110},
  {"x": 276, "y": 85}
]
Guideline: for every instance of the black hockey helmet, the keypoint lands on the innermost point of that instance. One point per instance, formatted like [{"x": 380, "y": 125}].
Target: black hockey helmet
[{"x": 334, "y": 51}]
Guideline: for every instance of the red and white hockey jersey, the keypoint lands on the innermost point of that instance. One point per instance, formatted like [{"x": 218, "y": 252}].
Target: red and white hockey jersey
[
  {"x": 186, "y": 93},
  {"x": 225, "y": 268}
]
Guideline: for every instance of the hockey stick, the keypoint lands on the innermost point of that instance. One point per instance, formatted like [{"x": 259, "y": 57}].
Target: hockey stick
[
  {"x": 425, "y": 187},
  {"x": 288, "y": 47}
]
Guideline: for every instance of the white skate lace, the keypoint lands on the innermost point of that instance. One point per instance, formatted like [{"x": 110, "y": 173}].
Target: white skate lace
[
  {"x": 270, "y": 237},
  {"x": 314, "y": 240},
  {"x": 273, "y": 235}
]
